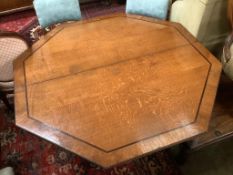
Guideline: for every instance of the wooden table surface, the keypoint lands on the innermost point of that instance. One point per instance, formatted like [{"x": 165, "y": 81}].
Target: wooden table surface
[{"x": 115, "y": 88}]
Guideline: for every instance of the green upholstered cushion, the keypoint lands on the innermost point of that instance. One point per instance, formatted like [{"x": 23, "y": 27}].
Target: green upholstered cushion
[
  {"x": 55, "y": 11},
  {"x": 153, "y": 8}
]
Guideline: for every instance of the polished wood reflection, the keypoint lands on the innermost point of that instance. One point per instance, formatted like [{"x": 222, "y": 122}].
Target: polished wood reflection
[
  {"x": 115, "y": 88},
  {"x": 14, "y": 5}
]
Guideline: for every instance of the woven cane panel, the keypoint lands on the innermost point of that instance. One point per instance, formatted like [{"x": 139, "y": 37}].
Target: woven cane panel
[{"x": 10, "y": 49}]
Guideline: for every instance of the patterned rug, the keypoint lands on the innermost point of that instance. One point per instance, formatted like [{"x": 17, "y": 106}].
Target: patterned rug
[
  {"x": 21, "y": 22},
  {"x": 24, "y": 22},
  {"x": 18, "y": 22},
  {"x": 95, "y": 9},
  {"x": 31, "y": 155}
]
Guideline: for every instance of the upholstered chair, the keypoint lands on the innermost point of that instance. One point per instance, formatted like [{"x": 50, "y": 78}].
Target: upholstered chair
[
  {"x": 7, "y": 171},
  {"x": 51, "y": 12},
  {"x": 227, "y": 57},
  {"x": 152, "y": 8},
  {"x": 205, "y": 19},
  {"x": 11, "y": 47}
]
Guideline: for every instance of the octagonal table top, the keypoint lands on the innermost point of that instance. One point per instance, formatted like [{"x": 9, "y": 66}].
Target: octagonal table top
[{"x": 115, "y": 88}]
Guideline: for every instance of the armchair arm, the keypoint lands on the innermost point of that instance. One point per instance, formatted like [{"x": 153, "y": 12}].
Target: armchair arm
[
  {"x": 7, "y": 171},
  {"x": 13, "y": 35},
  {"x": 176, "y": 10},
  {"x": 227, "y": 48},
  {"x": 226, "y": 58}
]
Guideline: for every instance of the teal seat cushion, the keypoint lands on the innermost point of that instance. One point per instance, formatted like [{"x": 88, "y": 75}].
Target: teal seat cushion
[
  {"x": 153, "y": 8},
  {"x": 55, "y": 11}
]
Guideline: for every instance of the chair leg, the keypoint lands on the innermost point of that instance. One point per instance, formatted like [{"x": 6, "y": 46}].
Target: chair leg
[
  {"x": 5, "y": 101},
  {"x": 182, "y": 156}
]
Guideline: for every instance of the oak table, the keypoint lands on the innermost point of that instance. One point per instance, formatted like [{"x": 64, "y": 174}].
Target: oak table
[{"x": 115, "y": 88}]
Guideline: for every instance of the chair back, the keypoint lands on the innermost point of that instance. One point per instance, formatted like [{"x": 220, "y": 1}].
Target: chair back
[
  {"x": 7, "y": 171},
  {"x": 153, "y": 8},
  {"x": 11, "y": 47},
  {"x": 50, "y": 12}
]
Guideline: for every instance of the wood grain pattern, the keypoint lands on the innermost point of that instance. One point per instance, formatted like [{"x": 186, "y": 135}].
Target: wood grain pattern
[
  {"x": 111, "y": 95},
  {"x": 221, "y": 124}
]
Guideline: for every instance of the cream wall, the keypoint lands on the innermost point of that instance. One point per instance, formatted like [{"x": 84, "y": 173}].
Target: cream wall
[{"x": 205, "y": 19}]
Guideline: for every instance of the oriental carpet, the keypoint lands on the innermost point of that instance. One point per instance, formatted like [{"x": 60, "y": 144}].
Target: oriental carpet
[
  {"x": 31, "y": 155},
  {"x": 24, "y": 22}
]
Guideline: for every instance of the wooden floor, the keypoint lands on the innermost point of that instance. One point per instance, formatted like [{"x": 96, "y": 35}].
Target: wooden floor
[{"x": 221, "y": 125}]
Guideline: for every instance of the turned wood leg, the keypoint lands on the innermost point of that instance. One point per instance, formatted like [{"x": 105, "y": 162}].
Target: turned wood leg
[{"x": 183, "y": 153}]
